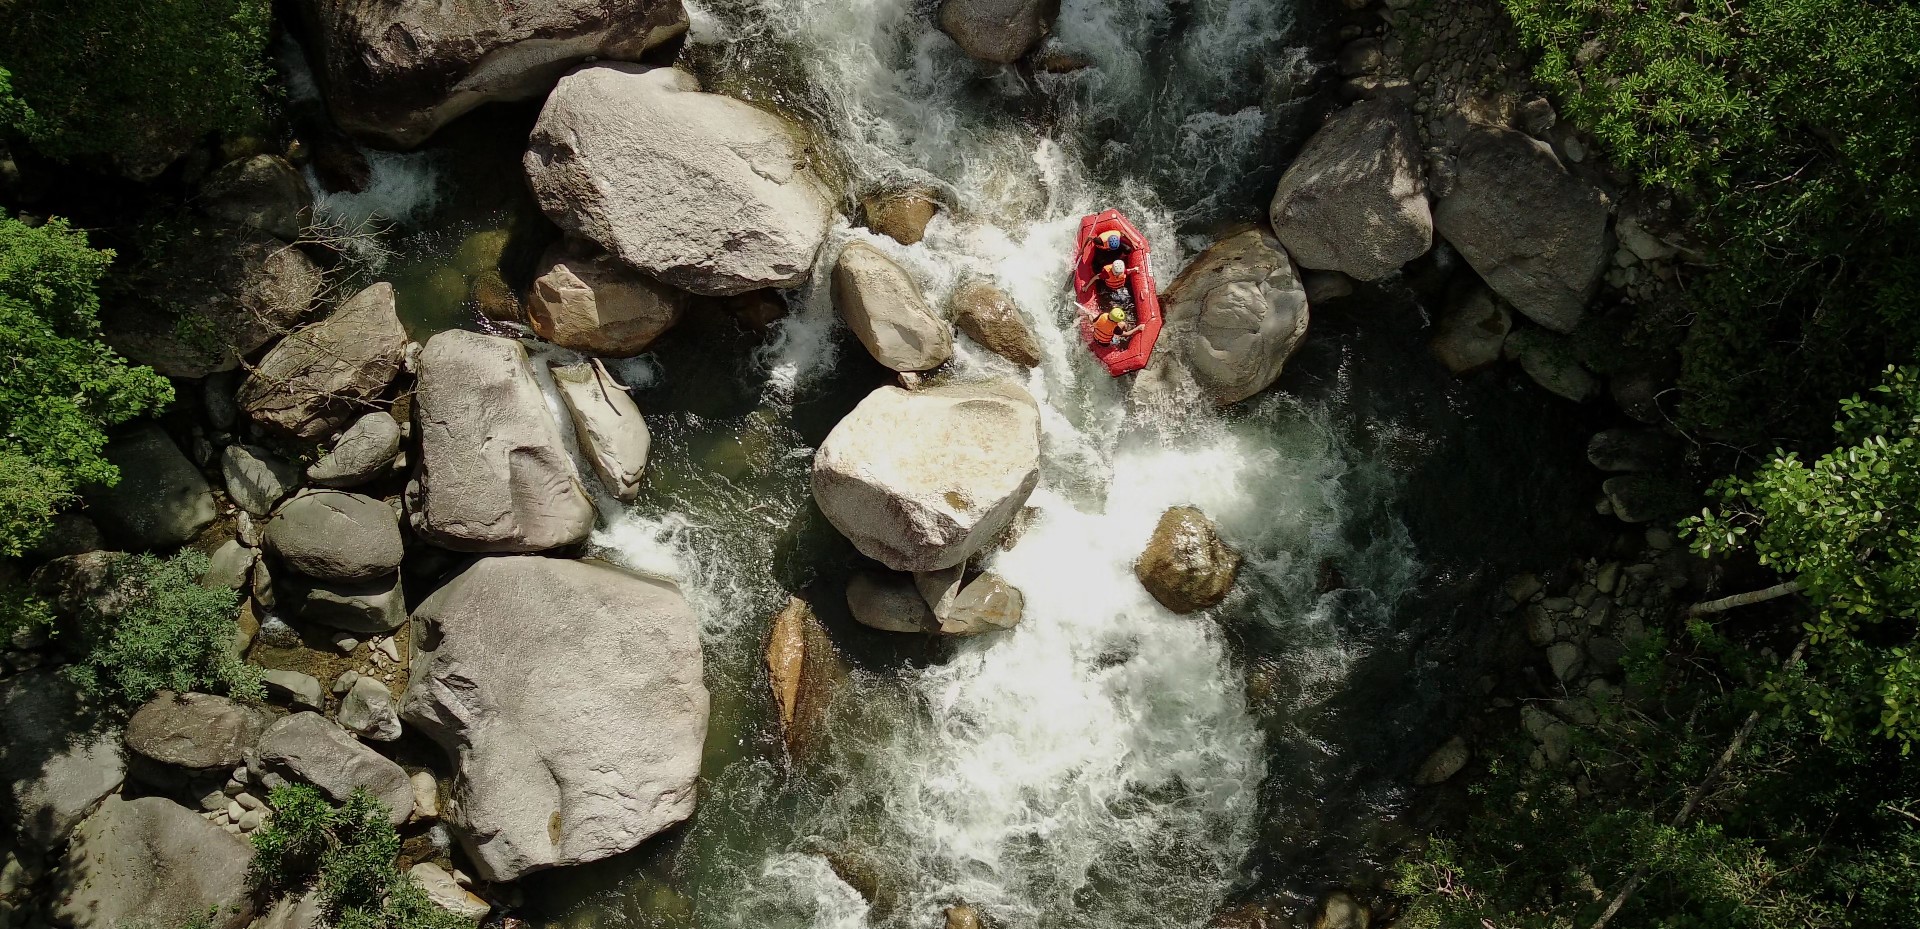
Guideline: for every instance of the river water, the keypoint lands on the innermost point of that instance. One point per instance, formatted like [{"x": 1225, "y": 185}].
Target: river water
[{"x": 1106, "y": 763}]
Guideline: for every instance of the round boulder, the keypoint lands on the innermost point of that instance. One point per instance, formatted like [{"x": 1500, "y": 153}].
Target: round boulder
[
  {"x": 264, "y": 192},
  {"x": 919, "y": 480},
  {"x": 885, "y": 309},
  {"x": 998, "y": 31},
  {"x": 1355, "y": 200},
  {"x": 592, "y": 303},
  {"x": 333, "y": 535},
  {"x": 988, "y": 316},
  {"x": 1186, "y": 567},
  {"x": 1239, "y": 312}
]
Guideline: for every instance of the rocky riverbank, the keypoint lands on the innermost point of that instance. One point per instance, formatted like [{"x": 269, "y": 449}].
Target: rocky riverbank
[{"x": 410, "y": 521}]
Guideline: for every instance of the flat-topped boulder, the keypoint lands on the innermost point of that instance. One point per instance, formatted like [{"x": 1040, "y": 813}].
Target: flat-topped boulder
[
  {"x": 883, "y": 306},
  {"x": 494, "y": 475},
  {"x": 58, "y": 761},
  {"x": 193, "y": 733},
  {"x": 333, "y": 535},
  {"x": 320, "y": 379},
  {"x": 1355, "y": 199},
  {"x": 919, "y": 480},
  {"x": 1237, "y": 313},
  {"x": 152, "y": 862},
  {"x": 700, "y": 191},
  {"x": 396, "y": 72},
  {"x": 563, "y": 754}
]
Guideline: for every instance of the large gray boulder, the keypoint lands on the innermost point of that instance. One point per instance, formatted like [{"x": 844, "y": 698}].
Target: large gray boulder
[
  {"x": 919, "y": 480},
  {"x": 885, "y": 309},
  {"x": 321, "y": 378},
  {"x": 396, "y": 72},
  {"x": 589, "y": 302},
  {"x": 56, "y": 762},
  {"x": 890, "y": 602},
  {"x": 333, "y": 535},
  {"x": 1355, "y": 199},
  {"x": 998, "y": 31},
  {"x": 152, "y": 862},
  {"x": 702, "y": 191},
  {"x": 1237, "y": 314},
  {"x": 607, "y": 424},
  {"x": 563, "y": 754},
  {"x": 310, "y": 748},
  {"x": 494, "y": 476},
  {"x": 1536, "y": 234},
  {"x": 239, "y": 288},
  {"x": 264, "y": 192},
  {"x": 162, "y": 500},
  {"x": 363, "y": 452},
  {"x": 193, "y": 733}
]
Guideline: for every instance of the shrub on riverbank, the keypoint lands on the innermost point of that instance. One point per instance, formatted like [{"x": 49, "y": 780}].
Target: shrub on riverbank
[
  {"x": 62, "y": 388},
  {"x": 1787, "y": 128},
  {"x": 165, "y": 632},
  {"x": 349, "y": 851}
]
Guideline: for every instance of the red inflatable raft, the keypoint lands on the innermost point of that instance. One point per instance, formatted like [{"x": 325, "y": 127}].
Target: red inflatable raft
[{"x": 1146, "y": 299}]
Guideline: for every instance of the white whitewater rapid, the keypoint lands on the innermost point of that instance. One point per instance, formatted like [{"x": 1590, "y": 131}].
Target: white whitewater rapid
[{"x": 1098, "y": 765}]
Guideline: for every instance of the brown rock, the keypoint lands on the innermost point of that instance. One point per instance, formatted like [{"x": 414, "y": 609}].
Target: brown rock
[
  {"x": 902, "y": 214},
  {"x": 1186, "y": 567},
  {"x": 586, "y": 300},
  {"x": 988, "y": 316},
  {"x": 320, "y": 379},
  {"x": 962, "y": 916},
  {"x": 805, "y": 672}
]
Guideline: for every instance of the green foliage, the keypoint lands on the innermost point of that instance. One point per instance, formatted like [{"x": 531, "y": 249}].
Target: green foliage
[
  {"x": 350, "y": 851},
  {"x": 1790, "y": 127},
  {"x": 61, "y": 388},
  {"x": 161, "y": 630},
  {"x": 1843, "y": 526},
  {"x": 107, "y": 78}
]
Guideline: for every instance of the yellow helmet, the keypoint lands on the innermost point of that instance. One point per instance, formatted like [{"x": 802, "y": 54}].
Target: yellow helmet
[{"x": 1118, "y": 315}]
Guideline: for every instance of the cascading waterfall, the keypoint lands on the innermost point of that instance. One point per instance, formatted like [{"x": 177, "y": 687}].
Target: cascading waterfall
[{"x": 1099, "y": 764}]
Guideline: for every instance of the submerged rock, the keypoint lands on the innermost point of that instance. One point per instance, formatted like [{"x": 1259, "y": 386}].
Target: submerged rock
[
  {"x": 396, "y": 72},
  {"x": 319, "y": 379},
  {"x": 592, "y": 303},
  {"x": 1443, "y": 763},
  {"x": 885, "y": 309},
  {"x": 153, "y": 862},
  {"x": 701, "y": 191},
  {"x": 1355, "y": 199},
  {"x": 919, "y": 480},
  {"x": 608, "y": 426},
  {"x": 564, "y": 754},
  {"x": 162, "y": 500},
  {"x": 988, "y": 316},
  {"x": 1186, "y": 567},
  {"x": 1472, "y": 331},
  {"x": 998, "y": 31},
  {"x": 1238, "y": 312},
  {"x": 494, "y": 476},
  {"x": 1534, "y": 233},
  {"x": 804, "y": 671},
  {"x": 1549, "y": 360}
]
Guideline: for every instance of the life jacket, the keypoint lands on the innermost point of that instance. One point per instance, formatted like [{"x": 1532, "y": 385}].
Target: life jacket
[
  {"x": 1104, "y": 327},
  {"x": 1112, "y": 280}
]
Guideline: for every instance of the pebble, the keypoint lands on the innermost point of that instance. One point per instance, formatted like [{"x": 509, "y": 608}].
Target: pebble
[
  {"x": 344, "y": 682},
  {"x": 217, "y": 800},
  {"x": 345, "y": 643},
  {"x": 232, "y": 828},
  {"x": 249, "y": 801},
  {"x": 235, "y": 810},
  {"x": 252, "y": 820},
  {"x": 391, "y": 650}
]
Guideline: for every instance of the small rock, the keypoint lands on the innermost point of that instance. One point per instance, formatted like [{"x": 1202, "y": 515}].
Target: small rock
[
  {"x": 988, "y": 316},
  {"x": 1549, "y": 360},
  {"x": 389, "y": 648},
  {"x": 1523, "y": 587},
  {"x": 1632, "y": 450},
  {"x": 344, "y": 643},
  {"x": 297, "y": 688},
  {"x": 251, "y": 820},
  {"x": 446, "y": 893},
  {"x": 249, "y": 801},
  {"x": 888, "y": 601},
  {"x": 368, "y": 711},
  {"x": 228, "y": 566},
  {"x": 345, "y": 681},
  {"x": 1472, "y": 332},
  {"x": 901, "y": 214},
  {"x": 235, "y": 810},
  {"x": 1640, "y": 498},
  {"x": 426, "y": 795},
  {"x": 256, "y": 478},
  {"x": 361, "y": 454},
  {"x": 1565, "y": 660},
  {"x": 1339, "y": 910}
]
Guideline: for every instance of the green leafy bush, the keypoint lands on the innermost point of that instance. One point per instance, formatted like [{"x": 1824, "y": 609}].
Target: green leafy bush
[
  {"x": 1843, "y": 526},
  {"x": 350, "y": 851},
  {"x": 1789, "y": 127},
  {"x": 165, "y": 632},
  {"x": 61, "y": 388},
  {"x": 115, "y": 79}
]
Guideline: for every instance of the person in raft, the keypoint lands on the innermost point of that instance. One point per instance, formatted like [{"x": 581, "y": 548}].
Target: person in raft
[
  {"x": 1109, "y": 246},
  {"x": 1113, "y": 325}
]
